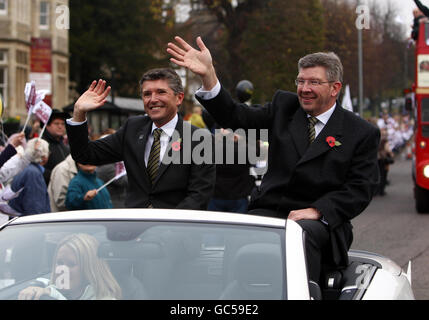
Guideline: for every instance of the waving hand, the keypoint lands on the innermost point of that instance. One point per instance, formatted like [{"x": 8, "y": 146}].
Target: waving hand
[
  {"x": 91, "y": 99},
  {"x": 198, "y": 61}
]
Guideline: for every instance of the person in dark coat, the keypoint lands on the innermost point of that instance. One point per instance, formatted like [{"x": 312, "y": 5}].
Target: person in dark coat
[
  {"x": 423, "y": 9},
  {"x": 233, "y": 180},
  {"x": 322, "y": 159},
  {"x": 54, "y": 134},
  {"x": 419, "y": 17},
  {"x": 149, "y": 145}
]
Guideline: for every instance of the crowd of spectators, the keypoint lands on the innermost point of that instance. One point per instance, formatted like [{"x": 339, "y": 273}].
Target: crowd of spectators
[
  {"x": 396, "y": 132},
  {"x": 36, "y": 175}
]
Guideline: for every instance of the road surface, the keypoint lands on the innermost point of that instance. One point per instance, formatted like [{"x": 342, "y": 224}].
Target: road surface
[{"x": 390, "y": 226}]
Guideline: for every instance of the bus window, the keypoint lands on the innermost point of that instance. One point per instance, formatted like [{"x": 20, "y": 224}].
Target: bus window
[
  {"x": 427, "y": 33},
  {"x": 425, "y": 110}
]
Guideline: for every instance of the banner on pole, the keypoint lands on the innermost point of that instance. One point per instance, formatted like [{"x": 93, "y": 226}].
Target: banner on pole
[
  {"x": 42, "y": 111},
  {"x": 30, "y": 95}
]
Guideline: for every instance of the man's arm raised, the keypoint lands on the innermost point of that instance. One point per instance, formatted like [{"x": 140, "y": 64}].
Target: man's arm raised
[
  {"x": 198, "y": 61},
  {"x": 91, "y": 99}
]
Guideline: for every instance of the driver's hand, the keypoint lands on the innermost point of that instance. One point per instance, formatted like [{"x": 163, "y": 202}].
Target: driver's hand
[{"x": 33, "y": 293}]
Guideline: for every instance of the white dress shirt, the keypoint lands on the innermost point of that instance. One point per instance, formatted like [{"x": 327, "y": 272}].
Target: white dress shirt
[
  {"x": 323, "y": 119},
  {"x": 167, "y": 132}
]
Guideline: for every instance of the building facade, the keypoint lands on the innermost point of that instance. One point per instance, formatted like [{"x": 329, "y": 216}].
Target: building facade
[{"x": 33, "y": 46}]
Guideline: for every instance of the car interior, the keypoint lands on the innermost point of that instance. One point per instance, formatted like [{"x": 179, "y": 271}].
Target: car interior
[{"x": 160, "y": 262}]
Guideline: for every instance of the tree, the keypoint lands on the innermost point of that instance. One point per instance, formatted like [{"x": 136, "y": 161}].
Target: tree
[
  {"x": 261, "y": 40},
  {"x": 384, "y": 48},
  {"x": 122, "y": 34},
  {"x": 276, "y": 37}
]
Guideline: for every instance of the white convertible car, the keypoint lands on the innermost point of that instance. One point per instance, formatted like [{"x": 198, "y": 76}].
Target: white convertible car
[{"x": 177, "y": 255}]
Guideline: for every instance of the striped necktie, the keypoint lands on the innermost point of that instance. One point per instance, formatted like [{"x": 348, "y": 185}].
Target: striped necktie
[
  {"x": 311, "y": 130},
  {"x": 153, "y": 161}
]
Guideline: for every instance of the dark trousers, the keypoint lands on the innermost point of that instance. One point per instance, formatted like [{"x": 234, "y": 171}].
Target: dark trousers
[
  {"x": 317, "y": 244},
  {"x": 383, "y": 177}
]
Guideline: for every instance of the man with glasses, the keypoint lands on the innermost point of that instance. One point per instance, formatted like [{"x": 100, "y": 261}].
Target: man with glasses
[
  {"x": 54, "y": 134},
  {"x": 322, "y": 159}
]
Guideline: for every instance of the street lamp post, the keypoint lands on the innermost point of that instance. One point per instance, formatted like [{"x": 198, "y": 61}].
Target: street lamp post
[{"x": 360, "y": 66}]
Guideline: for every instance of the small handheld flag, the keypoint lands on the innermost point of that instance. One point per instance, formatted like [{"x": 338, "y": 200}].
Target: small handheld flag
[{"x": 119, "y": 172}]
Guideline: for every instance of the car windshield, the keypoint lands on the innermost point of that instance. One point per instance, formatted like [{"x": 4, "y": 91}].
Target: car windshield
[{"x": 142, "y": 260}]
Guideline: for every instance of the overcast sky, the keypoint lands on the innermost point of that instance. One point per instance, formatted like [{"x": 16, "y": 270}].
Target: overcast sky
[{"x": 404, "y": 8}]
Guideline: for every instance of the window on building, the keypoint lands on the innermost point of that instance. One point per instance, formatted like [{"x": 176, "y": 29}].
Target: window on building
[
  {"x": 21, "y": 80},
  {"x": 3, "y": 84},
  {"x": 3, "y": 56},
  {"x": 61, "y": 67},
  {"x": 3, "y": 6},
  {"x": 22, "y": 57},
  {"x": 23, "y": 11},
  {"x": 44, "y": 15},
  {"x": 61, "y": 90}
]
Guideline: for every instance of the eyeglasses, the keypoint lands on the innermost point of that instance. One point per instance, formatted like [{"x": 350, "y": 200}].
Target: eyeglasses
[{"x": 310, "y": 82}]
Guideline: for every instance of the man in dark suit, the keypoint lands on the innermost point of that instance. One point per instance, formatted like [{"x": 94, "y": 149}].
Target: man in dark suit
[
  {"x": 54, "y": 134},
  {"x": 144, "y": 142},
  {"x": 322, "y": 159}
]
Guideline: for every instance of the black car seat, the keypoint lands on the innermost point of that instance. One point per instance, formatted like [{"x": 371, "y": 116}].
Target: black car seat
[{"x": 257, "y": 273}]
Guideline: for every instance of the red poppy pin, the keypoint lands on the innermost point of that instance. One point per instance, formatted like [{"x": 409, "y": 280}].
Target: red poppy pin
[
  {"x": 332, "y": 142},
  {"x": 176, "y": 145}
]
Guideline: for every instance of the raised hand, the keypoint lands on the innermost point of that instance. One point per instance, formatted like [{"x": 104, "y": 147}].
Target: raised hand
[
  {"x": 17, "y": 139},
  {"x": 91, "y": 99},
  {"x": 198, "y": 61}
]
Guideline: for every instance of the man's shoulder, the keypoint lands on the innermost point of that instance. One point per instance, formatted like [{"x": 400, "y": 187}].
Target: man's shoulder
[
  {"x": 355, "y": 120},
  {"x": 286, "y": 94},
  {"x": 285, "y": 101}
]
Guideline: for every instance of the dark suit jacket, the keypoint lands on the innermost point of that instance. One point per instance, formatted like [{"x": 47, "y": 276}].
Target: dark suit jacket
[
  {"x": 339, "y": 181},
  {"x": 183, "y": 185}
]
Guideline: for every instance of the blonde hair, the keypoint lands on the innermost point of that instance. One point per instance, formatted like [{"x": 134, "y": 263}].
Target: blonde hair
[{"x": 95, "y": 270}]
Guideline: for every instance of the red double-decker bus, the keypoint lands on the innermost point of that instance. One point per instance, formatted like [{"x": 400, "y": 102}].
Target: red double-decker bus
[{"x": 420, "y": 167}]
